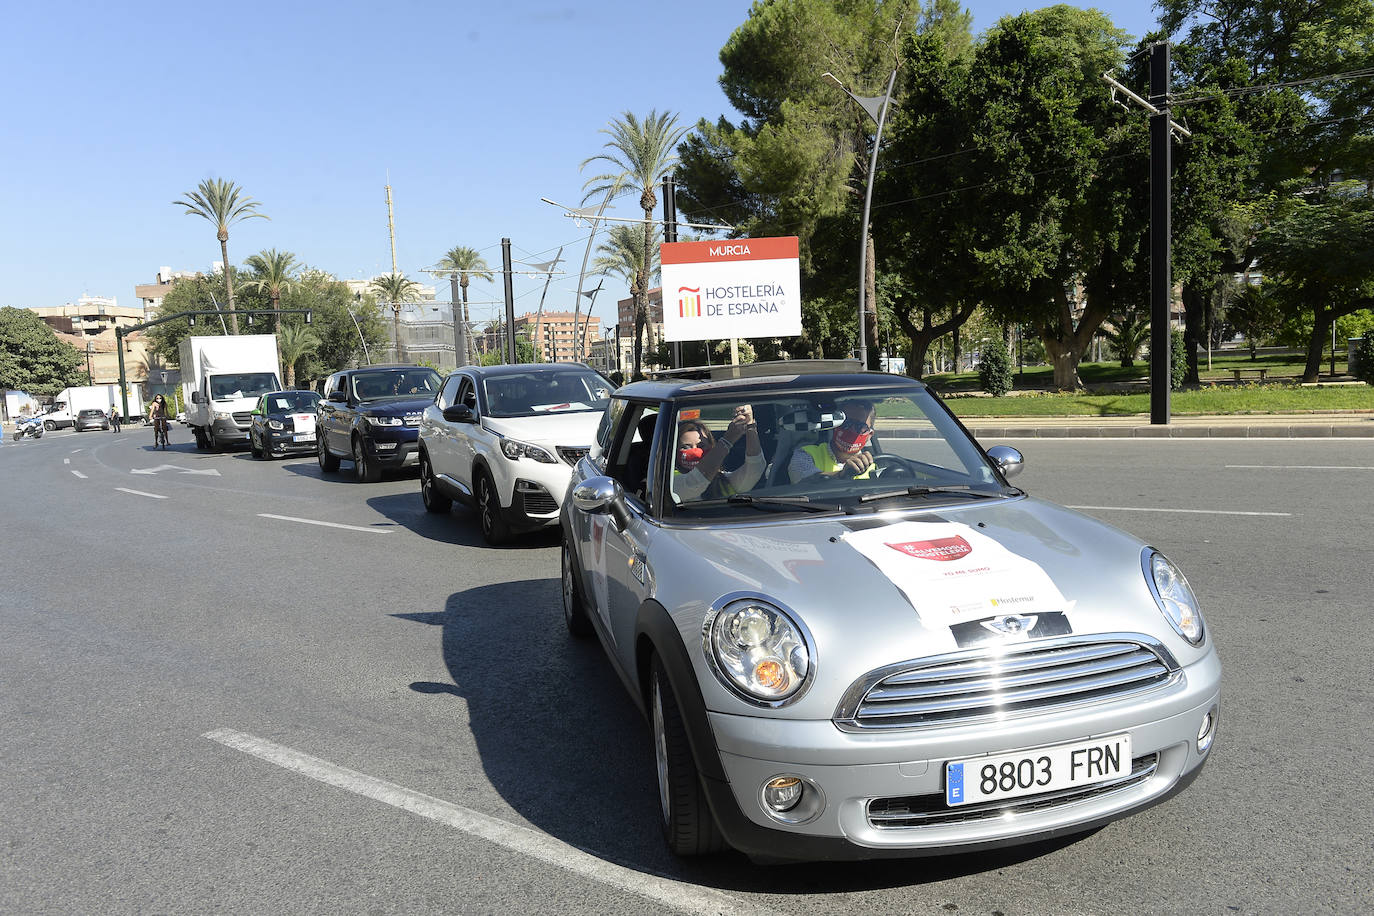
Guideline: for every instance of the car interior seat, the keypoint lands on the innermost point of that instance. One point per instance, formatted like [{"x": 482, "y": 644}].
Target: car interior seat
[{"x": 637, "y": 463}]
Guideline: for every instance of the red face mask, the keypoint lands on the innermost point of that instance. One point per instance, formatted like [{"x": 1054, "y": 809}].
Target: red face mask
[
  {"x": 689, "y": 458},
  {"x": 847, "y": 440}
]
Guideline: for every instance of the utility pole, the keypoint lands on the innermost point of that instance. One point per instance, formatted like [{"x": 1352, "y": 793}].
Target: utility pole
[
  {"x": 670, "y": 235},
  {"x": 510, "y": 303},
  {"x": 1161, "y": 235},
  {"x": 391, "y": 224}
]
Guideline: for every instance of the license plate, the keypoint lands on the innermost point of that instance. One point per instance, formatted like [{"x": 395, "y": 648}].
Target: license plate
[
  {"x": 303, "y": 437},
  {"x": 1046, "y": 769}
]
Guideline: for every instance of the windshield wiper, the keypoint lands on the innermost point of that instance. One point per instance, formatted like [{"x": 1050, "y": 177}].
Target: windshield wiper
[
  {"x": 802, "y": 503},
  {"x": 955, "y": 489}
]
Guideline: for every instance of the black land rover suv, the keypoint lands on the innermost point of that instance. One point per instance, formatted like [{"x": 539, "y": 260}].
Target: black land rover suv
[{"x": 371, "y": 416}]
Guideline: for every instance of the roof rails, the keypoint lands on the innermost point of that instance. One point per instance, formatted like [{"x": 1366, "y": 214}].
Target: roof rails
[{"x": 758, "y": 370}]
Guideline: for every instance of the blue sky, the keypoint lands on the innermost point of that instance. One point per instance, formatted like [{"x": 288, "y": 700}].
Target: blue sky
[{"x": 474, "y": 110}]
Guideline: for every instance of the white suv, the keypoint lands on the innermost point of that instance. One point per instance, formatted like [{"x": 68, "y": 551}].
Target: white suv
[{"x": 504, "y": 439}]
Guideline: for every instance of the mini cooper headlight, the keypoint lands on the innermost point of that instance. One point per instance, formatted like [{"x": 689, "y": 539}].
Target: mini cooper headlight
[
  {"x": 1174, "y": 597},
  {"x": 513, "y": 449},
  {"x": 758, "y": 651}
]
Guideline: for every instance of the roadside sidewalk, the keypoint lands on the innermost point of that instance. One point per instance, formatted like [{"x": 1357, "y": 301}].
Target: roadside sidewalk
[{"x": 1250, "y": 426}]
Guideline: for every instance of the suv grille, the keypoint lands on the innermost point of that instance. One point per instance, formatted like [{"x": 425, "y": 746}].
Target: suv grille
[
  {"x": 931, "y": 810},
  {"x": 573, "y": 454},
  {"x": 413, "y": 419},
  {"x": 1009, "y": 680}
]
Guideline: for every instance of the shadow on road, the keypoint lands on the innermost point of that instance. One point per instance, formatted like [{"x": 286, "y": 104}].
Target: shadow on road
[
  {"x": 564, "y": 745},
  {"x": 458, "y": 526}
]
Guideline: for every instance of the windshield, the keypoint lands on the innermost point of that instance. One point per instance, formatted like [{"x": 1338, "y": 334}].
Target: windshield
[
  {"x": 395, "y": 383},
  {"x": 242, "y": 385},
  {"x": 528, "y": 394},
  {"x": 291, "y": 400},
  {"x": 863, "y": 451}
]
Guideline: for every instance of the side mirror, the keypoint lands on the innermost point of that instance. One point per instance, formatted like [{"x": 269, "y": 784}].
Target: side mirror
[
  {"x": 1007, "y": 459},
  {"x": 460, "y": 413},
  {"x": 601, "y": 494},
  {"x": 197, "y": 397}
]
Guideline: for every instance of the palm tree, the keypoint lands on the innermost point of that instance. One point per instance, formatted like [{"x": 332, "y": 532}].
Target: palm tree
[
  {"x": 641, "y": 156},
  {"x": 393, "y": 290},
  {"x": 274, "y": 274},
  {"x": 295, "y": 341},
  {"x": 469, "y": 264},
  {"x": 219, "y": 202},
  {"x": 622, "y": 255}
]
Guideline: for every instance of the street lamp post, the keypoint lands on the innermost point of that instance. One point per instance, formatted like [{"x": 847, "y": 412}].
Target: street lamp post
[
  {"x": 90, "y": 379},
  {"x": 876, "y": 108}
]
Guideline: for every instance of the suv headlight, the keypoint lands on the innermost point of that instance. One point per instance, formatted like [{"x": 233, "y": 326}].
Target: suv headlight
[
  {"x": 1173, "y": 595},
  {"x": 515, "y": 449},
  {"x": 384, "y": 421},
  {"x": 758, "y": 651}
]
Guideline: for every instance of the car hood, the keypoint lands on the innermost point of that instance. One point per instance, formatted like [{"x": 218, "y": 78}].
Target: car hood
[
  {"x": 878, "y": 590},
  {"x": 573, "y": 429},
  {"x": 394, "y": 407}
]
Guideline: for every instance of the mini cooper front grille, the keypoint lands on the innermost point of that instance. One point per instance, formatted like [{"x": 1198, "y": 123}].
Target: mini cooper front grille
[
  {"x": 572, "y": 454},
  {"x": 1012, "y": 679},
  {"x": 931, "y": 810}
]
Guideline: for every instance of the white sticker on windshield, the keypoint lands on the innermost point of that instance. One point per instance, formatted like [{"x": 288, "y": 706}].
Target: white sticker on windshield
[
  {"x": 951, "y": 573},
  {"x": 566, "y": 405}
]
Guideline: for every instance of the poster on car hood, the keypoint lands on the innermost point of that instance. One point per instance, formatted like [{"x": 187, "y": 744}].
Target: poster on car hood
[{"x": 951, "y": 573}]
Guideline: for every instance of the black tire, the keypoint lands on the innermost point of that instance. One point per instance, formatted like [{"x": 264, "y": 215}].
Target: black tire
[
  {"x": 364, "y": 470},
  {"x": 253, "y": 448},
  {"x": 574, "y": 608},
  {"x": 495, "y": 531},
  {"x": 689, "y": 829},
  {"x": 329, "y": 462},
  {"x": 49, "y": 425},
  {"x": 430, "y": 494}
]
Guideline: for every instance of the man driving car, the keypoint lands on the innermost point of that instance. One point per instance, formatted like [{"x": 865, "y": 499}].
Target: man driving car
[{"x": 844, "y": 455}]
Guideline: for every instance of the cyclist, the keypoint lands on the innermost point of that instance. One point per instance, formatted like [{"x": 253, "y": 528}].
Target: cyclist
[{"x": 157, "y": 412}]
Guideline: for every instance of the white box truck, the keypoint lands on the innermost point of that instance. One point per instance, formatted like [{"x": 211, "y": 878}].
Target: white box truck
[
  {"x": 221, "y": 380},
  {"x": 69, "y": 402}
]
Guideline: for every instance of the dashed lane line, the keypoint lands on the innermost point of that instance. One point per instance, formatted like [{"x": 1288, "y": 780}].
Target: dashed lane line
[
  {"x": 311, "y": 521},
  {"x": 675, "y": 895},
  {"x": 1297, "y": 467},
  {"x": 139, "y": 493},
  {"x": 1188, "y": 511},
  {"x": 79, "y": 474}
]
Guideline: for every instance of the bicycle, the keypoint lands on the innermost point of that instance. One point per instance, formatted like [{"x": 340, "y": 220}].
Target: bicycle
[{"x": 160, "y": 433}]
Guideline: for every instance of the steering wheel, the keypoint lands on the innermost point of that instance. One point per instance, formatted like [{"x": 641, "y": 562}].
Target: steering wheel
[{"x": 889, "y": 465}]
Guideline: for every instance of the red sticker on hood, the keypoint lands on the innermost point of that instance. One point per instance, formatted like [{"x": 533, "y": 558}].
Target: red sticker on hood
[{"x": 944, "y": 549}]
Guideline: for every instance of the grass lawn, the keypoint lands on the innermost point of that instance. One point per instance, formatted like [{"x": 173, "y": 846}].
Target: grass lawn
[{"x": 1242, "y": 399}]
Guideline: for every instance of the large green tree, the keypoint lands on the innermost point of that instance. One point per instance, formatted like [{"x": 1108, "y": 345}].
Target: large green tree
[
  {"x": 468, "y": 263},
  {"x": 632, "y": 256},
  {"x": 33, "y": 359},
  {"x": 188, "y": 294},
  {"x": 273, "y": 273},
  {"x": 351, "y": 330},
  {"x": 395, "y": 290},
  {"x": 640, "y": 154},
  {"x": 222, "y": 203}
]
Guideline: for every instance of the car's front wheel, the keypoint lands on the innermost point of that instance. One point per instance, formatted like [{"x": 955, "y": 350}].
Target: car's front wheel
[
  {"x": 688, "y": 826},
  {"x": 253, "y": 447},
  {"x": 494, "y": 528},
  {"x": 435, "y": 501},
  {"x": 364, "y": 468},
  {"x": 329, "y": 462},
  {"x": 574, "y": 608}
]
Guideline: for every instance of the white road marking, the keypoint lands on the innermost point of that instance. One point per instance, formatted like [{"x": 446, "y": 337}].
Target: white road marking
[
  {"x": 1297, "y": 467},
  {"x": 675, "y": 895},
  {"x": 172, "y": 467},
  {"x": 79, "y": 474},
  {"x": 311, "y": 521},
  {"x": 1189, "y": 511},
  {"x": 75, "y": 450},
  {"x": 66, "y": 461},
  {"x": 139, "y": 493}
]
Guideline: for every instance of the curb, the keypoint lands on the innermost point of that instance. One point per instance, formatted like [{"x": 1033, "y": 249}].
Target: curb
[{"x": 1238, "y": 431}]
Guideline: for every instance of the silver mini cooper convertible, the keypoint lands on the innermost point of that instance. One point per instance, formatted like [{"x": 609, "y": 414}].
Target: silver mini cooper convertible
[{"x": 854, "y": 638}]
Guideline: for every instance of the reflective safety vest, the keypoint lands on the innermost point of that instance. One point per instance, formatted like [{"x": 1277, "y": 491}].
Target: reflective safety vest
[{"x": 826, "y": 463}]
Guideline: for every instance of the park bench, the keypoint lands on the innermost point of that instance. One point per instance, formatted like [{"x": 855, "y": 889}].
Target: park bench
[{"x": 1259, "y": 371}]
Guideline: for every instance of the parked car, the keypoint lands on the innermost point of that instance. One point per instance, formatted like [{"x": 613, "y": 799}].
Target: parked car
[
  {"x": 91, "y": 418},
  {"x": 869, "y": 643},
  {"x": 371, "y": 416},
  {"x": 283, "y": 423},
  {"x": 503, "y": 440}
]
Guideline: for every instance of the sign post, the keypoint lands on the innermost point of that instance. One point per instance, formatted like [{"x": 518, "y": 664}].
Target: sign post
[{"x": 730, "y": 289}]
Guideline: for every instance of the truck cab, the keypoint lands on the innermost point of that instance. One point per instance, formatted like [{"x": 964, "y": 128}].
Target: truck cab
[{"x": 224, "y": 406}]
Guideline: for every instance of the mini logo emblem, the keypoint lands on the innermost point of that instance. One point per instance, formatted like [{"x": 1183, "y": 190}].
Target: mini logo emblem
[
  {"x": 942, "y": 549},
  {"x": 1011, "y": 624}
]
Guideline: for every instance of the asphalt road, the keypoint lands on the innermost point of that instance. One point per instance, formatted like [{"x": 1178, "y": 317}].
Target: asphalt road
[{"x": 275, "y": 690}]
